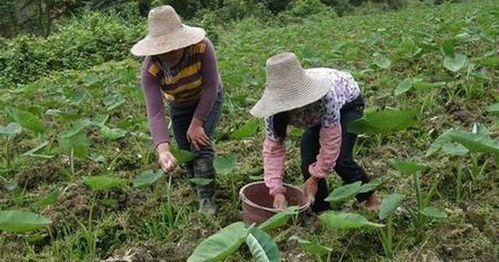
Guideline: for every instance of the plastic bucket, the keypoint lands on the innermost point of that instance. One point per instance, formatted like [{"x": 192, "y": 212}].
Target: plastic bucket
[{"x": 258, "y": 204}]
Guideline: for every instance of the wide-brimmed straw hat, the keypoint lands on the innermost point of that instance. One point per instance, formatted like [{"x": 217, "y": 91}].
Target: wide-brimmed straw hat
[
  {"x": 288, "y": 86},
  {"x": 166, "y": 33}
]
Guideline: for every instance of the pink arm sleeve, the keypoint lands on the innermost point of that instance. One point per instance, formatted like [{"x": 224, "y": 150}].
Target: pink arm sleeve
[
  {"x": 330, "y": 141},
  {"x": 273, "y": 164}
]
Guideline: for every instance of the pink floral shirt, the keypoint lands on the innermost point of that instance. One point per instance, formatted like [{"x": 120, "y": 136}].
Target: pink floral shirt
[{"x": 326, "y": 112}]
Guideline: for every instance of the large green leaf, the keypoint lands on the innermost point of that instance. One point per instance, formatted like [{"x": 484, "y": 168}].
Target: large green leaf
[
  {"x": 146, "y": 178},
  {"x": 433, "y": 212},
  {"x": 21, "y": 221},
  {"x": 262, "y": 246},
  {"x": 11, "y": 129},
  {"x": 454, "y": 149},
  {"x": 344, "y": 193},
  {"x": 248, "y": 129},
  {"x": 343, "y": 220},
  {"x": 439, "y": 142},
  {"x": 493, "y": 108},
  {"x": 279, "y": 219},
  {"x": 220, "y": 245},
  {"x": 182, "y": 156},
  {"x": 79, "y": 143},
  {"x": 112, "y": 133},
  {"x": 100, "y": 183},
  {"x": 475, "y": 142},
  {"x": 225, "y": 164},
  {"x": 28, "y": 120},
  {"x": 455, "y": 63},
  {"x": 76, "y": 127},
  {"x": 313, "y": 248},
  {"x": 372, "y": 185},
  {"x": 407, "y": 168},
  {"x": 383, "y": 122},
  {"x": 48, "y": 199},
  {"x": 382, "y": 62},
  {"x": 404, "y": 86},
  {"x": 389, "y": 205}
]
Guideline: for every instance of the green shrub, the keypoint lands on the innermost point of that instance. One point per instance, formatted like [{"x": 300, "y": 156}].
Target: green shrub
[{"x": 302, "y": 9}]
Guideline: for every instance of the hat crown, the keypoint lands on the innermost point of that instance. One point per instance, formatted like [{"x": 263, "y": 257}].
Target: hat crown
[
  {"x": 163, "y": 20},
  {"x": 283, "y": 69}
]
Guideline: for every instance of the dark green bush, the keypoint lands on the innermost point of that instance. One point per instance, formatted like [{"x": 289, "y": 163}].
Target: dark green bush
[
  {"x": 302, "y": 9},
  {"x": 85, "y": 41}
]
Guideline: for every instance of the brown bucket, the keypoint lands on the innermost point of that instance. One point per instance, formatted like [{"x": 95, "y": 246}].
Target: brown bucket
[{"x": 258, "y": 204}]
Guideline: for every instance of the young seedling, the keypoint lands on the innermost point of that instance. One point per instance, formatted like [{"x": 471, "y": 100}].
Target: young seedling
[
  {"x": 315, "y": 249},
  {"x": 224, "y": 165},
  {"x": 10, "y": 131},
  {"x": 388, "y": 207}
]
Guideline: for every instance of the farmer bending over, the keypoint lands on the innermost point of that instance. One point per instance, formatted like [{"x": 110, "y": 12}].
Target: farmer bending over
[
  {"x": 180, "y": 66},
  {"x": 322, "y": 101}
]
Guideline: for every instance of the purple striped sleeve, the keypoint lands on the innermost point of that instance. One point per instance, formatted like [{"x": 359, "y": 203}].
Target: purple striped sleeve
[
  {"x": 154, "y": 104},
  {"x": 211, "y": 82}
]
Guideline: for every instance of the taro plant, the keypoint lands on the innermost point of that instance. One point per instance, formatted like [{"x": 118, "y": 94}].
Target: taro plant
[
  {"x": 21, "y": 221},
  {"x": 349, "y": 191},
  {"x": 224, "y": 165},
  {"x": 453, "y": 61},
  {"x": 383, "y": 122},
  {"x": 9, "y": 132},
  {"x": 228, "y": 240},
  {"x": 315, "y": 249},
  {"x": 388, "y": 207},
  {"x": 457, "y": 142},
  {"x": 414, "y": 170},
  {"x": 74, "y": 141}
]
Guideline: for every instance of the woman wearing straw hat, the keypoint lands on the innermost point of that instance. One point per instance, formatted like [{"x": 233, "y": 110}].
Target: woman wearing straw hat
[
  {"x": 322, "y": 101},
  {"x": 180, "y": 66}
]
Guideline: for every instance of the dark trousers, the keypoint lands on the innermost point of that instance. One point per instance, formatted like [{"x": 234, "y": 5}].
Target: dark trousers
[
  {"x": 346, "y": 167},
  {"x": 202, "y": 165}
]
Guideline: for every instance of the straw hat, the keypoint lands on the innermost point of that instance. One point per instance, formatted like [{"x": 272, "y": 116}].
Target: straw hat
[
  {"x": 166, "y": 33},
  {"x": 288, "y": 86}
]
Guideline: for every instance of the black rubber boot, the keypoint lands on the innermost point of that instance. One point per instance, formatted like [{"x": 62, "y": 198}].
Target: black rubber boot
[{"x": 203, "y": 168}]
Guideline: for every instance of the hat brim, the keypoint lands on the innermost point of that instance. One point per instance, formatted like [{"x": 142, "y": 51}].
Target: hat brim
[
  {"x": 311, "y": 90},
  {"x": 184, "y": 37}
]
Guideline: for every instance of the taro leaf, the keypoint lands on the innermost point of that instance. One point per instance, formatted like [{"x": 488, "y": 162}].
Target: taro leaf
[
  {"x": 371, "y": 186},
  {"x": 53, "y": 112},
  {"x": 389, "y": 205},
  {"x": 222, "y": 244},
  {"x": 201, "y": 181},
  {"x": 112, "y": 133},
  {"x": 100, "y": 183},
  {"x": 21, "y": 221},
  {"x": 225, "y": 164},
  {"x": 383, "y": 63},
  {"x": 248, "y": 129},
  {"x": 262, "y": 246},
  {"x": 448, "y": 48},
  {"x": 441, "y": 140},
  {"x": 344, "y": 220},
  {"x": 383, "y": 122},
  {"x": 493, "y": 108},
  {"x": 455, "y": 63},
  {"x": 10, "y": 185},
  {"x": 48, "y": 200},
  {"x": 36, "y": 149},
  {"x": 76, "y": 128},
  {"x": 100, "y": 120},
  {"x": 455, "y": 149},
  {"x": 404, "y": 86},
  {"x": 313, "y": 248},
  {"x": 182, "y": 156},
  {"x": 11, "y": 129},
  {"x": 433, "y": 212},
  {"x": 146, "y": 178},
  {"x": 475, "y": 142},
  {"x": 113, "y": 101},
  {"x": 481, "y": 130},
  {"x": 79, "y": 143},
  {"x": 426, "y": 85},
  {"x": 407, "y": 168},
  {"x": 344, "y": 193},
  {"x": 28, "y": 120},
  {"x": 279, "y": 219}
]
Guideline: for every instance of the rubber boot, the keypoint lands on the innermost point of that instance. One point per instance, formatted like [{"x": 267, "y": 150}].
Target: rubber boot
[{"x": 203, "y": 168}]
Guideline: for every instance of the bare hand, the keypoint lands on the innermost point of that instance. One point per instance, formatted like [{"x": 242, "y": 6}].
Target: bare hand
[
  {"x": 280, "y": 202},
  {"x": 166, "y": 160},
  {"x": 310, "y": 188},
  {"x": 196, "y": 135}
]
